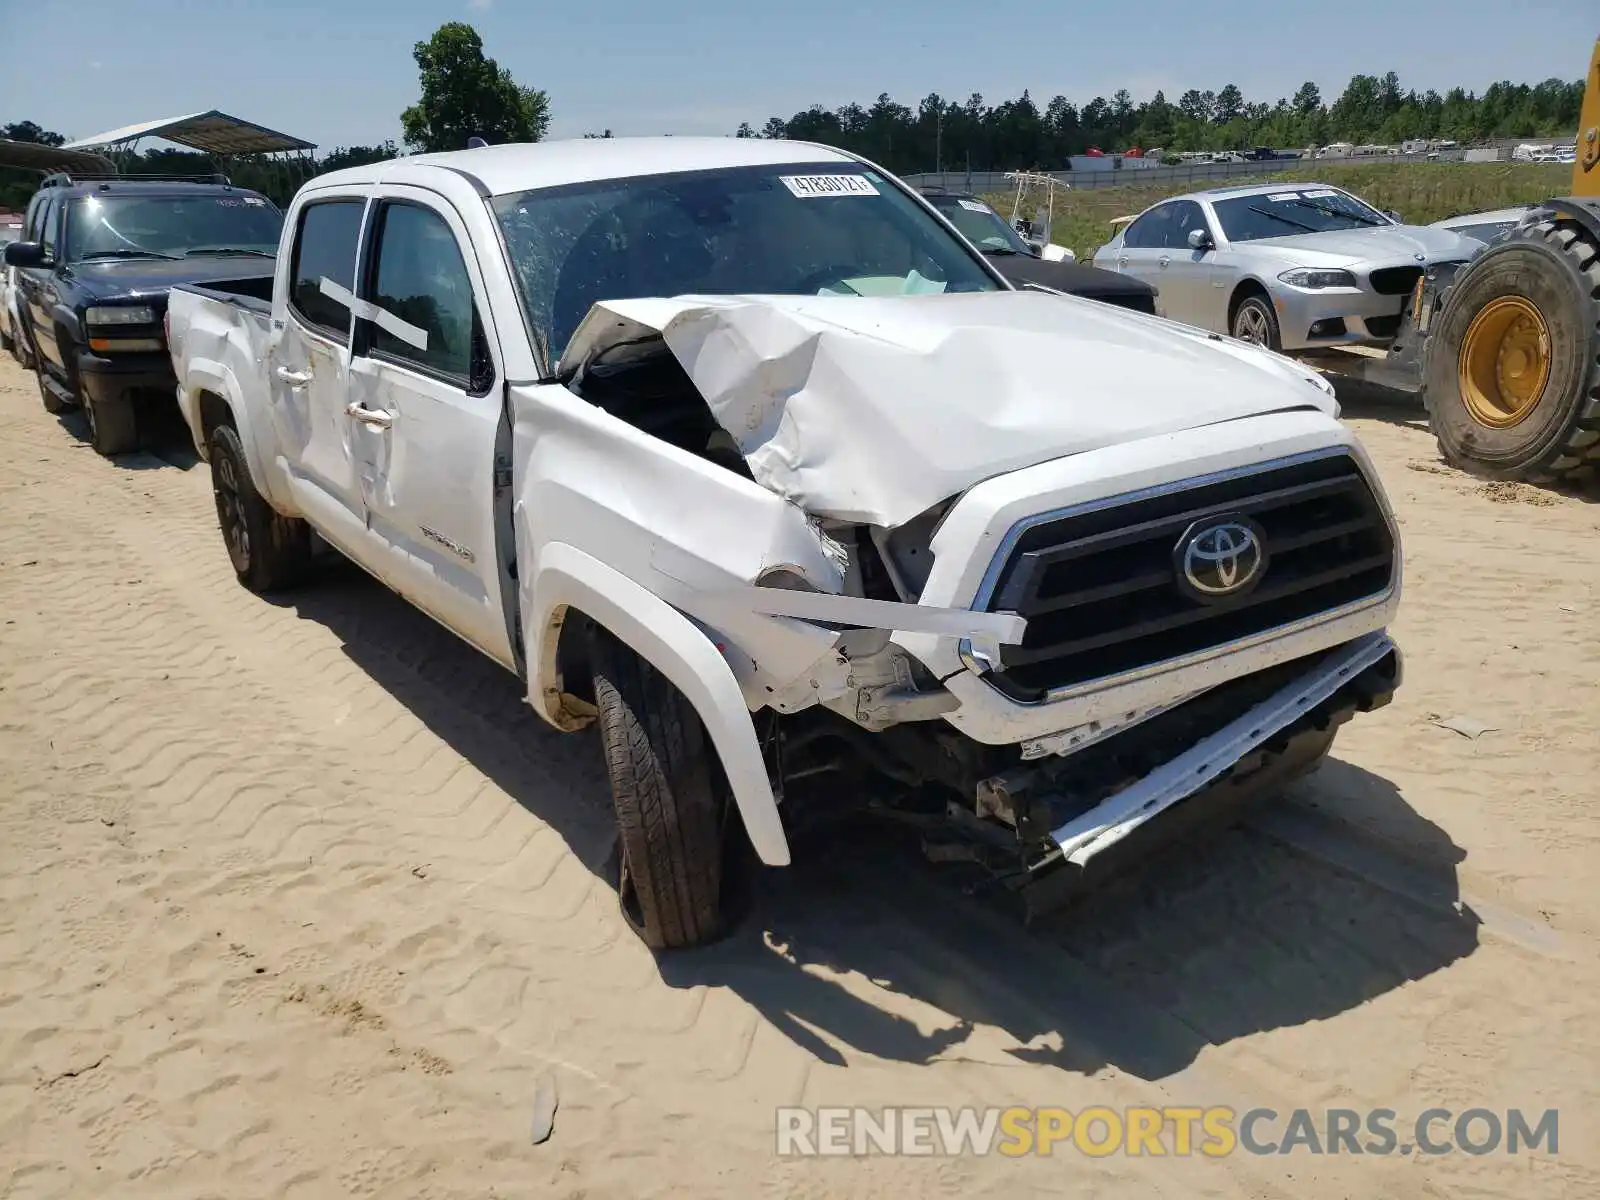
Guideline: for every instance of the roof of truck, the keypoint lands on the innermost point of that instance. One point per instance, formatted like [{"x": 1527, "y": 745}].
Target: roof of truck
[{"x": 523, "y": 166}]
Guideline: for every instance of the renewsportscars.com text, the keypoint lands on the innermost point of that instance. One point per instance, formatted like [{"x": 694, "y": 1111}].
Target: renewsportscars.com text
[{"x": 1213, "y": 1132}]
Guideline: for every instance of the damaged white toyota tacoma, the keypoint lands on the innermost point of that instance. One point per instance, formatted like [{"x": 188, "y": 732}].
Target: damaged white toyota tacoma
[{"x": 738, "y": 449}]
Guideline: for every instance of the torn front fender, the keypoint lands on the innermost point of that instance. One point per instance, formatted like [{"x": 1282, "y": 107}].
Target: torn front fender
[{"x": 668, "y": 641}]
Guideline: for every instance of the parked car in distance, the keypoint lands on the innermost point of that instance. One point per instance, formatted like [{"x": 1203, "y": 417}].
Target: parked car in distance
[
  {"x": 1290, "y": 266},
  {"x": 10, "y": 231},
  {"x": 1485, "y": 227},
  {"x": 93, "y": 270},
  {"x": 1024, "y": 266},
  {"x": 803, "y": 504}
]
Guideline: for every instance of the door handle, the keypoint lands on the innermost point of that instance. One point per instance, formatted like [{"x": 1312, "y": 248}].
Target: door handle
[
  {"x": 292, "y": 377},
  {"x": 1163, "y": 261},
  {"x": 1122, "y": 261},
  {"x": 375, "y": 417}
]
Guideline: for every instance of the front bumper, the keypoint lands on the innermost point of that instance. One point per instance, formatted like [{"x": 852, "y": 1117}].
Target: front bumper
[
  {"x": 1244, "y": 762},
  {"x": 111, "y": 378},
  {"x": 1334, "y": 316}
]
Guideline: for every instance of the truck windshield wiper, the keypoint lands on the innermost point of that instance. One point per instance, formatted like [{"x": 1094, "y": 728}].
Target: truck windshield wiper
[
  {"x": 1267, "y": 212},
  {"x": 230, "y": 250},
  {"x": 124, "y": 252},
  {"x": 1001, "y": 250}
]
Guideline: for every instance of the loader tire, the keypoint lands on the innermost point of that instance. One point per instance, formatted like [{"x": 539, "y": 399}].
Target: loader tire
[
  {"x": 269, "y": 552},
  {"x": 1512, "y": 379},
  {"x": 670, "y": 800}
]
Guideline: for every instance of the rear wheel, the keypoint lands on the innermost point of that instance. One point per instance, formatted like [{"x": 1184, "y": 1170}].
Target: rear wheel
[
  {"x": 268, "y": 551},
  {"x": 670, "y": 800},
  {"x": 1513, "y": 373},
  {"x": 1255, "y": 322}
]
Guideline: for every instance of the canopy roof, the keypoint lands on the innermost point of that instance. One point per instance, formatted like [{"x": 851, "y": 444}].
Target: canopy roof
[
  {"x": 33, "y": 156},
  {"x": 212, "y": 132}
]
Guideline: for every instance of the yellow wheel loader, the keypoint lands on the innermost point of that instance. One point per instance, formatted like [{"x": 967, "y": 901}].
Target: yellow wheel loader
[{"x": 1505, "y": 349}]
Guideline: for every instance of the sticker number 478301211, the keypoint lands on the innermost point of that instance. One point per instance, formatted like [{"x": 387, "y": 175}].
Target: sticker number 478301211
[{"x": 810, "y": 187}]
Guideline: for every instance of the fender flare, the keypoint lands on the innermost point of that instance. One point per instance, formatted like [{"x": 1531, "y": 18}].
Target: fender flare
[
  {"x": 208, "y": 375},
  {"x": 676, "y": 647}
]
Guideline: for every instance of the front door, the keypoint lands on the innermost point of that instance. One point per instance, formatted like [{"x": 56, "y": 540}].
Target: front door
[
  {"x": 1190, "y": 278},
  {"x": 1143, "y": 247},
  {"x": 39, "y": 283},
  {"x": 427, "y": 415},
  {"x": 308, "y": 370}
]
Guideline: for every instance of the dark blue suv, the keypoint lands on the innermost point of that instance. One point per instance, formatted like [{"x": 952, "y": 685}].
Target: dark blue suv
[{"x": 93, "y": 268}]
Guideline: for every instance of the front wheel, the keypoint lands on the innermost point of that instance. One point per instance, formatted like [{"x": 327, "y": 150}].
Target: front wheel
[
  {"x": 113, "y": 423},
  {"x": 268, "y": 551},
  {"x": 1512, "y": 382},
  {"x": 1256, "y": 323},
  {"x": 670, "y": 801}
]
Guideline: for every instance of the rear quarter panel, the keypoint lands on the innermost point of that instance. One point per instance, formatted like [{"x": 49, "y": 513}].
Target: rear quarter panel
[{"x": 219, "y": 347}]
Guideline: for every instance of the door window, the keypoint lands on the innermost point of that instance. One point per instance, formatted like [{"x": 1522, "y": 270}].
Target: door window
[
  {"x": 325, "y": 248},
  {"x": 47, "y": 227},
  {"x": 1186, "y": 216},
  {"x": 426, "y": 316}
]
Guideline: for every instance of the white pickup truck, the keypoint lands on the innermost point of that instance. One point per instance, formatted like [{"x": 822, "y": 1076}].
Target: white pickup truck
[{"x": 739, "y": 449}]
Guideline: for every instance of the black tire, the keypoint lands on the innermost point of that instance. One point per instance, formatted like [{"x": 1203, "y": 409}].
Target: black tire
[
  {"x": 1255, "y": 321},
  {"x": 1555, "y": 265},
  {"x": 52, "y": 402},
  {"x": 670, "y": 801},
  {"x": 113, "y": 424},
  {"x": 268, "y": 551}
]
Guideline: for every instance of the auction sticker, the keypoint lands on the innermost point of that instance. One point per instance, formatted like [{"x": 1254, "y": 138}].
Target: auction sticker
[
  {"x": 973, "y": 206},
  {"x": 1321, "y": 194},
  {"x": 809, "y": 187}
]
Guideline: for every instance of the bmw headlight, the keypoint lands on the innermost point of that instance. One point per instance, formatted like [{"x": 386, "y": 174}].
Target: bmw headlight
[
  {"x": 121, "y": 314},
  {"x": 1307, "y": 277}
]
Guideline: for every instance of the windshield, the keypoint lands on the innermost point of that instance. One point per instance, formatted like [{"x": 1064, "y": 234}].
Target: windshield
[
  {"x": 980, "y": 224},
  {"x": 1292, "y": 212},
  {"x": 171, "y": 226},
  {"x": 798, "y": 230}
]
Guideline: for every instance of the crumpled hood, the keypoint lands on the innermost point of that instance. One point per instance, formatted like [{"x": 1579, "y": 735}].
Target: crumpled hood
[
  {"x": 875, "y": 409},
  {"x": 1379, "y": 243}
]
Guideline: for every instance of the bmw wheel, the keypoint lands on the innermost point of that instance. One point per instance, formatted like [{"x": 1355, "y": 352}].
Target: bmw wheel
[{"x": 1255, "y": 322}]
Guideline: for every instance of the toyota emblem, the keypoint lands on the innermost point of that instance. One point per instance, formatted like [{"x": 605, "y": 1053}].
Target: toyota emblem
[{"x": 1221, "y": 558}]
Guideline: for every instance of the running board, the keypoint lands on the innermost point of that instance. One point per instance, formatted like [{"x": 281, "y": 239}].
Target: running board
[{"x": 1113, "y": 819}]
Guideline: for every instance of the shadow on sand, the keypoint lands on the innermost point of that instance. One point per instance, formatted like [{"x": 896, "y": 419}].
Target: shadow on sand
[{"x": 1242, "y": 933}]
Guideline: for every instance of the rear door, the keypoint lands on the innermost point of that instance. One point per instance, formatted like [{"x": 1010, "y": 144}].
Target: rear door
[
  {"x": 308, "y": 369},
  {"x": 427, "y": 414}
]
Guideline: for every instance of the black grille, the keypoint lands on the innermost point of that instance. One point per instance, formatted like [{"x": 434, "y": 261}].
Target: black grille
[
  {"x": 1395, "y": 281},
  {"x": 1101, "y": 593},
  {"x": 1383, "y": 326}
]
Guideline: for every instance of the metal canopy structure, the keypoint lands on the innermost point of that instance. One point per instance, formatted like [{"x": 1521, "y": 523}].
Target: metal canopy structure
[
  {"x": 34, "y": 156},
  {"x": 211, "y": 132}
]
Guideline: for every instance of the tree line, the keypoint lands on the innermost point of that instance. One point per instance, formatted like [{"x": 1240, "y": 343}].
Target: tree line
[
  {"x": 941, "y": 133},
  {"x": 466, "y": 94}
]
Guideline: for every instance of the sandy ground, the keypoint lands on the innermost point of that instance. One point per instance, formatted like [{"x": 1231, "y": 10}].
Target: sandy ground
[{"x": 297, "y": 900}]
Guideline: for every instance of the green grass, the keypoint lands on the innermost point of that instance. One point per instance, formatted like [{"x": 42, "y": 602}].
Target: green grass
[{"x": 1419, "y": 192}]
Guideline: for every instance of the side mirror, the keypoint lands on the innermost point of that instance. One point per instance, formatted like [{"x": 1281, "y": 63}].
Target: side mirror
[
  {"x": 25, "y": 254},
  {"x": 1394, "y": 216},
  {"x": 1200, "y": 239},
  {"x": 1054, "y": 253}
]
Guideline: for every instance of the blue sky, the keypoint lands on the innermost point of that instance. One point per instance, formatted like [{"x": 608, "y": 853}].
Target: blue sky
[{"x": 340, "y": 71}]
